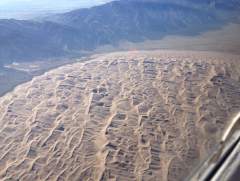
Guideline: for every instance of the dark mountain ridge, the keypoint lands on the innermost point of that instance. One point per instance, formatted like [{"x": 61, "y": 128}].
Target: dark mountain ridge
[{"x": 71, "y": 33}]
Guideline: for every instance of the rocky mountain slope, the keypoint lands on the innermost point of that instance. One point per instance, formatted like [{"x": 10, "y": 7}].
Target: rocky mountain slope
[{"x": 82, "y": 30}]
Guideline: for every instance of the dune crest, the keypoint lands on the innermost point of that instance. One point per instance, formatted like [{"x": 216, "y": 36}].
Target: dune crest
[{"x": 123, "y": 116}]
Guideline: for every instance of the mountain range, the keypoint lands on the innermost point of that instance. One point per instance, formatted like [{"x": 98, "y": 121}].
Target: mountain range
[{"x": 78, "y": 31}]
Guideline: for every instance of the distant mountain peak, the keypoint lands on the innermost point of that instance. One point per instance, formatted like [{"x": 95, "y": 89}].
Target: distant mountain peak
[{"x": 108, "y": 24}]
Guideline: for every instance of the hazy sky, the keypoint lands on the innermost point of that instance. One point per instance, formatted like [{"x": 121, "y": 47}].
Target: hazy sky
[{"x": 24, "y": 9}]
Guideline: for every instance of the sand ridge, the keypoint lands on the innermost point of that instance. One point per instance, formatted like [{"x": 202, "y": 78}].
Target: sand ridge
[{"x": 149, "y": 115}]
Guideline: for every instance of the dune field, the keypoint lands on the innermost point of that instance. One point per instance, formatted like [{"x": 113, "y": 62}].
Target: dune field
[{"x": 144, "y": 116}]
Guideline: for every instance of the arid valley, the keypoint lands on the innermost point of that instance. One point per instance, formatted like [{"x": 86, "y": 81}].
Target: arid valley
[{"x": 139, "y": 115}]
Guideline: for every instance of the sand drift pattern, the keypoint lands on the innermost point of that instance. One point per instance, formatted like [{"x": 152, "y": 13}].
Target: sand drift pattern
[{"x": 123, "y": 116}]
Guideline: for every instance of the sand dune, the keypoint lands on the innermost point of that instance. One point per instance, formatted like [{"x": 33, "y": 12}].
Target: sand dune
[{"x": 123, "y": 116}]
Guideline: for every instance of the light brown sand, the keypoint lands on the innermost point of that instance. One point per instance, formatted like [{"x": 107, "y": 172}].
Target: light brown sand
[{"x": 124, "y": 116}]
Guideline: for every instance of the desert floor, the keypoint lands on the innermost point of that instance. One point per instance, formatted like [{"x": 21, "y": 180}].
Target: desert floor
[{"x": 149, "y": 115}]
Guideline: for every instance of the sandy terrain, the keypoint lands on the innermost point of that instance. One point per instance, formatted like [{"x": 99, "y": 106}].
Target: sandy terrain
[{"x": 123, "y": 116}]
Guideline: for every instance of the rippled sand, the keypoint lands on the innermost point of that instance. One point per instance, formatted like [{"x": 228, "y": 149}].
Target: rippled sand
[{"x": 123, "y": 116}]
